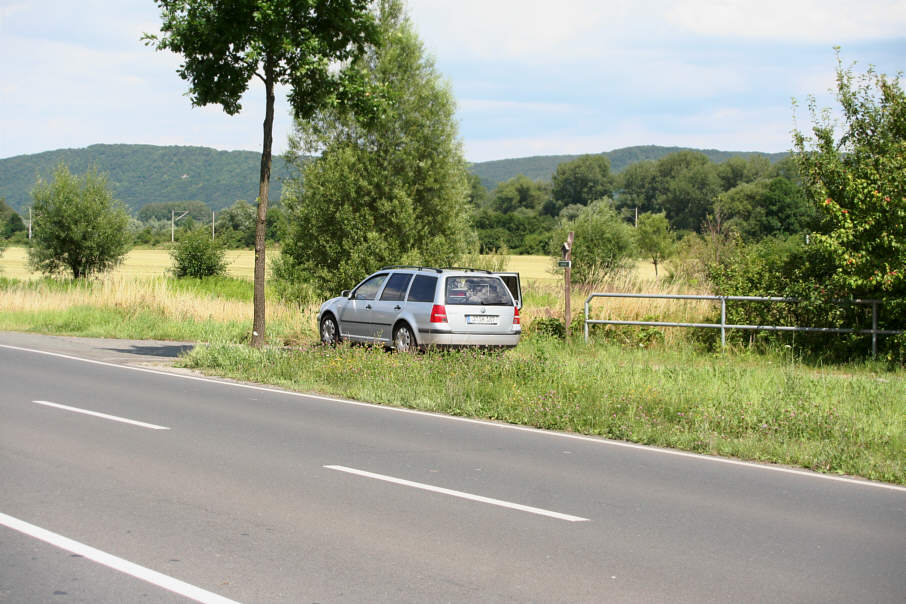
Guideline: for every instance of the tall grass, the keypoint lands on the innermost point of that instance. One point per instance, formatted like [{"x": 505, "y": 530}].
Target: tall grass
[{"x": 217, "y": 309}]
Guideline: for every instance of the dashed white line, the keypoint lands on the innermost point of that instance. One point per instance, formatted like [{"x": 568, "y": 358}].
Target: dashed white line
[
  {"x": 119, "y": 564},
  {"x": 460, "y": 494},
  {"x": 112, "y": 418}
]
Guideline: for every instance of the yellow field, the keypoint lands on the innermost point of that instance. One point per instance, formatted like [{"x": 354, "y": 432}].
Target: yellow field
[
  {"x": 138, "y": 263},
  {"x": 240, "y": 263}
]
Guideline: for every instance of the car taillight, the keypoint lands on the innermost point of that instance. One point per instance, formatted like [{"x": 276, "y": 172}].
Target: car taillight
[
  {"x": 438, "y": 314},
  {"x": 515, "y": 316}
]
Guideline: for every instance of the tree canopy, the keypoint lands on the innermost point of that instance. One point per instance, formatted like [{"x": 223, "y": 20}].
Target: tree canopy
[
  {"x": 298, "y": 43},
  {"x": 603, "y": 242},
  {"x": 385, "y": 190},
  {"x": 857, "y": 178},
  {"x": 654, "y": 239},
  {"x": 581, "y": 181},
  {"x": 78, "y": 226},
  {"x": 10, "y": 222}
]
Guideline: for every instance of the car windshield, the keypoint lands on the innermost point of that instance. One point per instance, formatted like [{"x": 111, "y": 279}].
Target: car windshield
[{"x": 484, "y": 291}]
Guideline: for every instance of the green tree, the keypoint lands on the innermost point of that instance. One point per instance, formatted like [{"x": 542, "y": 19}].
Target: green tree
[
  {"x": 654, "y": 238},
  {"x": 78, "y": 226},
  {"x": 581, "y": 181},
  {"x": 638, "y": 187},
  {"x": 292, "y": 42},
  {"x": 857, "y": 179},
  {"x": 198, "y": 255},
  {"x": 478, "y": 194},
  {"x": 10, "y": 222},
  {"x": 521, "y": 192},
  {"x": 384, "y": 191},
  {"x": 603, "y": 242},
  {"x": 767, "y": 207},
  {"x": 687, "y": 189},
  {"x": 235, "y": 225},
  {"x": 163, "y": 210}
]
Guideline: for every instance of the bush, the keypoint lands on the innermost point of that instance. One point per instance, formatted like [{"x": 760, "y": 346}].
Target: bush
[
  {"x": 547, "y": 326},
  {"x": 292, "y": 286},
  {"x": 198, "y": 255}
]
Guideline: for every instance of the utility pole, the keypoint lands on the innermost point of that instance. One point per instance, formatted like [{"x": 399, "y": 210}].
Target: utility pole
[
  {"x": 567, "y": 263},
  {"x": 29, "y": 224},
  {"x": 173, "y": 219},
  {"x": 212, "y": 225}
]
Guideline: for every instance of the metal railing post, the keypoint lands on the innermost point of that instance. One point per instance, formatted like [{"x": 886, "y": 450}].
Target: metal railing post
[
  {"x": 723, "y": 322},
  {"x": 874, "y": 329},
  {"x": 586, "y": 321}
]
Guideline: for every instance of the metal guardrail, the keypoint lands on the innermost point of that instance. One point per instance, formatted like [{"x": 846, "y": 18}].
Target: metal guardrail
[{"x": 724, "y": 326}]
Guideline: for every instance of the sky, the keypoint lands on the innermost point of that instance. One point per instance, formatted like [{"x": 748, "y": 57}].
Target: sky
[{"x": 530, "y": 77}]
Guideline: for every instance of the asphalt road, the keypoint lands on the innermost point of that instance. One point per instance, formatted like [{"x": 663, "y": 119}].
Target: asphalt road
[{"x": 258, "y": 495}]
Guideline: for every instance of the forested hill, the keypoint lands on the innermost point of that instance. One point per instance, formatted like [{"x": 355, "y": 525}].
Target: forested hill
[
  {"x": 141, "y": 174},
  {"x": 541, "y": 167}
]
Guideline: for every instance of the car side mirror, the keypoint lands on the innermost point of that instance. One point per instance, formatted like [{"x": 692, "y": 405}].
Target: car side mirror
[{"x": 345, "y": 293}]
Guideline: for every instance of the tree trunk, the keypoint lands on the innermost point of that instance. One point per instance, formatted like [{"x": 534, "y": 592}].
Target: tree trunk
[{"x": 264, "y": 183}]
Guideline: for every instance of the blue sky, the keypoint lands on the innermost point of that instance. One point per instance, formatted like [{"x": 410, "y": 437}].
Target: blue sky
[{"x": 530, "y": 77}]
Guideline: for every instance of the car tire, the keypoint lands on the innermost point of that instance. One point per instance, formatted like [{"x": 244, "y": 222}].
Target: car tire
[
  {"x": 404, "y": 339},
  {"x": 330, "y": 332}
]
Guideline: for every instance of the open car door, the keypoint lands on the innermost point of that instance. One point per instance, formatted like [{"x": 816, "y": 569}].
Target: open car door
[{"x": 514, "y": 285}]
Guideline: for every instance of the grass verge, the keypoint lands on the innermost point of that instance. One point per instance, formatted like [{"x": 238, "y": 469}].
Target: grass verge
[{"x": 757, "y": 408}]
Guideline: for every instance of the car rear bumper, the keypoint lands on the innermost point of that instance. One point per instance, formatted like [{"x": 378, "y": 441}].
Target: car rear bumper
[{"x": 467, "y": 339}]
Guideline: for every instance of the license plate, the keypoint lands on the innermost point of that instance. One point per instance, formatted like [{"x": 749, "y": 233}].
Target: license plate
[{"x": 481, "y": 319}]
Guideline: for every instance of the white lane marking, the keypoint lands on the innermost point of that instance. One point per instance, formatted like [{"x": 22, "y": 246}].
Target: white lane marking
[
  {"x": 598, "y": 440},
  {"x": 460, "y": 494},
  {"x": 109, "y": 560},
  {"x": 112, "y": 418}
]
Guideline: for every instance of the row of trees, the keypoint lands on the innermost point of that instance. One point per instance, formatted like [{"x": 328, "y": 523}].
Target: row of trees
[{"x": 755, "y": 198}]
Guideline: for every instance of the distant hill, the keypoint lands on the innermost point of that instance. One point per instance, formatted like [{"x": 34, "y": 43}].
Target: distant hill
[
  {"x": 141, "y": 174},
  {"x": 541, "y": 167}
]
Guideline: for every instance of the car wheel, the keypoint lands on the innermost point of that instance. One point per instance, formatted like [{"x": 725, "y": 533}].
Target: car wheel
[
  {"x": 330, "y": 333},
  {"x": 403, "y": 339}
]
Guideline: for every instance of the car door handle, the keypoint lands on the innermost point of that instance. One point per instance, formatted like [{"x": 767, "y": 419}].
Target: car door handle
[
  {"x": 397, "y": 307},
  {"x": 368, "y": 307}
]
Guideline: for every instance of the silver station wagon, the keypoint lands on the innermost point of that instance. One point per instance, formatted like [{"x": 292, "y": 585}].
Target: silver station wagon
[{"x": 410, "y": 307}]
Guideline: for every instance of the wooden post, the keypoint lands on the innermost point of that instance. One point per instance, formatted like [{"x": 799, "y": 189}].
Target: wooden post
[{"x": 567, "y": 274}]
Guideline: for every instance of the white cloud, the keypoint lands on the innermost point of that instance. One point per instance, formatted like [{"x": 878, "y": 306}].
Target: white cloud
[
  {"x": 518, "y": 29},
  {"x": 830, "y": 21}
]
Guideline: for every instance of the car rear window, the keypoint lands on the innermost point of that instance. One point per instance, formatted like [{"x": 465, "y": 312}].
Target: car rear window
[
  {"x": 483, "y": 291},
  {"x": 396, "y": 286},
  {"x": 422, "y": 289}
]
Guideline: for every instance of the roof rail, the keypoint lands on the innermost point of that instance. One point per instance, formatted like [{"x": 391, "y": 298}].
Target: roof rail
[
  {"x": 465, "y": 268},
  {"x": 426, "y": 268}
]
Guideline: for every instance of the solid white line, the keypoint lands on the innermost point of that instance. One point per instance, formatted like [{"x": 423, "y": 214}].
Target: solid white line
[
  {"x": 460, "y": 494},
  {"x": 124, "y": 566},
  {"x": 112, "y": 418},
  {"x": 591, "y": 439}
]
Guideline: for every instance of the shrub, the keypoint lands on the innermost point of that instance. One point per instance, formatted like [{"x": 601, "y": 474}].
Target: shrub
[
  {"x": 547, "y": 326},
  {"x": 198, "y": 255}
]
